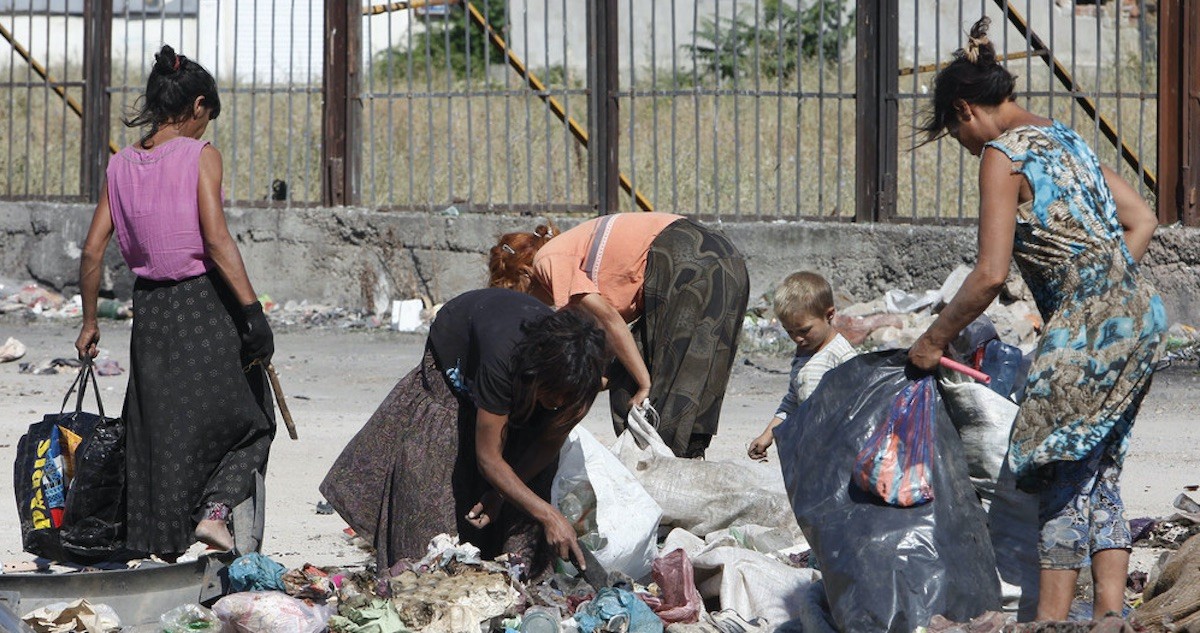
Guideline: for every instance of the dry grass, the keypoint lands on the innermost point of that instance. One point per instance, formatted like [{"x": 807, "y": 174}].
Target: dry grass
[{"x": 748, "y": 157}]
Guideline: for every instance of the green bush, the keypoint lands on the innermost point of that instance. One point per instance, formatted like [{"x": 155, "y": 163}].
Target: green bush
[
  {"x": 774, "y": 44},
  {"x": 443, "y": 44}
]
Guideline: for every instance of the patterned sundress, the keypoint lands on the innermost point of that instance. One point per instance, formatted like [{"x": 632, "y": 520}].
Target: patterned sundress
[{"x": 1103, "y": 320}]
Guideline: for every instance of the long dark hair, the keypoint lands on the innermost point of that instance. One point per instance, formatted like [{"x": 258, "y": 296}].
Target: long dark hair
[
  {"x": 563, "y": 354},
  {"x": 975, "y": 76},
  {"x": 175, "y": 82}
]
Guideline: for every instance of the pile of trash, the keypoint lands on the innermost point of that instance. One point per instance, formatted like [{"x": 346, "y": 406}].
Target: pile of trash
[
  {"x": 413, "y": 315},
  {"x": 895, "y": 320}
]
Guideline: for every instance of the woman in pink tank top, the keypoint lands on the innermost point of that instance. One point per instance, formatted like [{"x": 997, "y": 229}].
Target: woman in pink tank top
[{"x": 197, "y": 395}]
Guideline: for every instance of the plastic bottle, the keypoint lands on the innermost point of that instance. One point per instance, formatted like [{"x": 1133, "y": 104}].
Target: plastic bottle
[{"x": 1002, "y": 362}]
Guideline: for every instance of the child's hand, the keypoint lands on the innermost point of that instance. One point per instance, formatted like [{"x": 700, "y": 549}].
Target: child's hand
[{"x": 758, "y": 448}]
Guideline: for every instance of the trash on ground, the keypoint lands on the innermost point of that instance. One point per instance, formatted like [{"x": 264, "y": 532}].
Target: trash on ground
[{"x": 78, "y": 615}]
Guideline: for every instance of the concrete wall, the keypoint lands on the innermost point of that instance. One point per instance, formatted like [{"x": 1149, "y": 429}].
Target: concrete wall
[{"x": 360, "y": 259}]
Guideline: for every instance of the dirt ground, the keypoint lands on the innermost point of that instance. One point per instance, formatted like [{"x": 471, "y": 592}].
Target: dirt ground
[{"x": 334, "y": 379}]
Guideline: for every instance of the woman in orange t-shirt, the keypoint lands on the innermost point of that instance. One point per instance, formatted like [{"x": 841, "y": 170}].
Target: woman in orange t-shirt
[{"x": 682, "y": 286}]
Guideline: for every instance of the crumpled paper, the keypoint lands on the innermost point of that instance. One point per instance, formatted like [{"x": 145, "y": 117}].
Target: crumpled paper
[{"x": 80, "y": 615}]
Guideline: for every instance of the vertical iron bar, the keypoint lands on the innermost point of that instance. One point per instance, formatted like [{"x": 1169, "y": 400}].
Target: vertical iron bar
[
  {"x": 757, "y": 113},
  {"x": 876, "y": 109},
  {"x": 632, "y": 138},
  {"x": 28, "y": 107},
  {"x": 716, "y": 115},
  {"x": 12, "y": 118},
  {"x": 338, "y": 129},
  {"x": 233, "y": 106},
  {"x": 696, "y": 104},
  {"x": 270, "y": 168},
  {"x": 1096, "y": 70},
  {"x": 487, "y": 113},
  {"x": 410, "y": 68},
  {"x": 1142, "y": 37},
  {"x": 800, "y": 126},
  {"x": 548, "y": 121},
  {"x": 916, "y": 63},
  {"x": 1074, "y": 56},
  {"x": 821, "y": 210},
  {"x": 840, "y": 102},
  {"x": 937, "y": 198},
  {"x": 97, "y": 64},
  {"x": 470, "y": 195},
  {"x": 674, "y": 110},
  {"x": 449, "y": 111},
  {"x": 735, "y": 31},
  {"x": 603, "y": 126},
  {"x": 373, "y": 135},
  {"x": 66, "y": 74},
  {"x": 528, "y": 111},
  {"x": 653, "y": 90},
  {"x": 290, "y": 111},
  {"x": 568, "y": 141},
  {"x": 779, "y": 116},
  {"x": 508, "y": 138},
  {"x": 251, "y": 164}
]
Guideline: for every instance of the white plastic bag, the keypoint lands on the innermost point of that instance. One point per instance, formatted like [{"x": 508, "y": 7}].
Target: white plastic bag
[
  {"x": 271, "y": 612},
  {"x": 626, "y": 517},
  {"x": 984, "y": 420},
  {"x": 697, "y": 495}
]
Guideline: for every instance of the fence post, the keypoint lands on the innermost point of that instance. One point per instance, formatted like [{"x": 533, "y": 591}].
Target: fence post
[
  {"x": 1179, "y": 112},
  {"x": 877, "y": 69},
  {"x": 340, "y": 140},
  {"x": 603, "y": 126},
  {"x": 97, "y": 71}
]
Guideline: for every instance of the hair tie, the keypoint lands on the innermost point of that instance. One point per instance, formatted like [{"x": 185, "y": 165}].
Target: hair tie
[
  {"x": 973, "y": 46},
  {"x": 508, "y": 249},
  {"x": 547, "y": 235},
  {"x": 178, "y": 59}
]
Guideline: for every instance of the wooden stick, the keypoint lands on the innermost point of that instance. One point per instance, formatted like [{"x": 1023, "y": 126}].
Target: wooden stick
[{"x": 283, "y": 409}]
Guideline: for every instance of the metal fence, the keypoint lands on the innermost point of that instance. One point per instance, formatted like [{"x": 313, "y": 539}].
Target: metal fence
[{"x": 722, "y": 109}]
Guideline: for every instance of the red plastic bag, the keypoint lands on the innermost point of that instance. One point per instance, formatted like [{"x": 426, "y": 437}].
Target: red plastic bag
[
  {"x": 896, "y": 463},
  {"x": 676, "y": 580}
]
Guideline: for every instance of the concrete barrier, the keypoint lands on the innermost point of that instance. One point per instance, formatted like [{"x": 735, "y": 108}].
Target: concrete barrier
[{"x": 363, "y": 259}]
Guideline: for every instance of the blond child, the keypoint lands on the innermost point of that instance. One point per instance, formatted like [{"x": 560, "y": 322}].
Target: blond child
[{"x": 804, "y": 305}]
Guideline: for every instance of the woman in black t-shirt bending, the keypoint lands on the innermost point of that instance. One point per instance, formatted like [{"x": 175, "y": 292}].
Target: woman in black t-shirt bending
[{"x": 468, "y": 442}]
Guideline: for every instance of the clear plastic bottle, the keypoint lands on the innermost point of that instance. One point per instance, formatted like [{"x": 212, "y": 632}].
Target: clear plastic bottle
[{"x": 1002, "y": 362}]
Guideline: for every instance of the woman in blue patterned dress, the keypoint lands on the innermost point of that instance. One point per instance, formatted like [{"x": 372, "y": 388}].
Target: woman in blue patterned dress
[{"x": 1077, "y": 232}]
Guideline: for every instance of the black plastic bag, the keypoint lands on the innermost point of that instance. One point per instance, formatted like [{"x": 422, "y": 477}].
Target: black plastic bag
[
  {"x": 885, "y": 568},
  {"x": 88, "y": 524}
]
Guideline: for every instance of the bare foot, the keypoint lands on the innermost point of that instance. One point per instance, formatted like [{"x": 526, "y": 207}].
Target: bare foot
[{"x": 215, "y": 534}]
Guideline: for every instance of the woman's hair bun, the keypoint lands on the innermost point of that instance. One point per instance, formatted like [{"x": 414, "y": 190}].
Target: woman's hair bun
[
  {"x": 166, "y": 61},
  {"x": 979, "y": 48}
]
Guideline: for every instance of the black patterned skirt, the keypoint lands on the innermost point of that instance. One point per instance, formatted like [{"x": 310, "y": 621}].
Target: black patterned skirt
[
  {"x": 411, "y": 474},
  {"x": 695, "y": 294},
  {"x": 198, "y": 425}
]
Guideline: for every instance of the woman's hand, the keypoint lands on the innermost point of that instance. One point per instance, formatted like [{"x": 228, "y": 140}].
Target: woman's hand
[
  {"x": 925, "y": 354},
  {"x": 89, "y": 339},
  {"x": 643, "y": 394},
  {"x": 560, "y": 534},
  {"x": 483, "y": 513}
]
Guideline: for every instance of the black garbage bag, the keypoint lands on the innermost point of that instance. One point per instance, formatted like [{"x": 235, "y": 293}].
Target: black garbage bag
[
  {"x": 885, "y": 568},
  {"x": 69, "y": 482}
]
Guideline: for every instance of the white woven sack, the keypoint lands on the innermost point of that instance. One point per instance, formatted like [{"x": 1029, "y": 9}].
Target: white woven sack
[{"x": 626, "y": 516}]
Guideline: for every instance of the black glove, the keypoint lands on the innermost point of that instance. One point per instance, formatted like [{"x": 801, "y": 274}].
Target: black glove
[{"x": 257, "y": 340}]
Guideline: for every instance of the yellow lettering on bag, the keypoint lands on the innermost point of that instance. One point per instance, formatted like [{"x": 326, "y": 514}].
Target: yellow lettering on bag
[{"x": 38, "y": 514}]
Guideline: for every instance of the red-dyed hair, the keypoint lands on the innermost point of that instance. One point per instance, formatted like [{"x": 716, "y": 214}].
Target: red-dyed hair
[{"x": 510, "y": 262}]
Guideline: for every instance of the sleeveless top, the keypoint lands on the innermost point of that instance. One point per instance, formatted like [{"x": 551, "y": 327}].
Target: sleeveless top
[
  {"x": 1104, "y": 322},
  {"x": 155, "y": 211}
]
